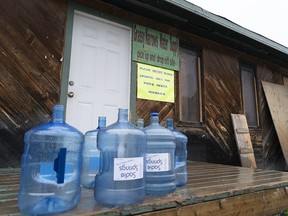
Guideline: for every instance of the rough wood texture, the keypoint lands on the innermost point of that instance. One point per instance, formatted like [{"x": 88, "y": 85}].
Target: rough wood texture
[
  {"x": 240, "y": 205},
  {"x": 272, "y": 154},
  {"x": 277, "y": 98},
  {"x": 223, "y": 96},
  {"x": 222, "y": 91},
  {"x": 212, "y": 189},
  {"x": 31, "y": 49},
  {"x": 243, "y": 141}
]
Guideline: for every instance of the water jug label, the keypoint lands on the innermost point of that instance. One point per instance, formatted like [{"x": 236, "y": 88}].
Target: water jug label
[
  {"x": 158, "y": 162},
  {"x": 128, "y": 168}
]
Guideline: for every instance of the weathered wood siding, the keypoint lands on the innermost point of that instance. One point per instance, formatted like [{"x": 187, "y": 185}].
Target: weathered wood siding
[
  {"x": 31, "y": 50},
  {"x": 222, "y": 92},
  {"x": 215, "y": 142},
  {"x": 272, "y": 154},
  {"x": 223, "y": 96}
]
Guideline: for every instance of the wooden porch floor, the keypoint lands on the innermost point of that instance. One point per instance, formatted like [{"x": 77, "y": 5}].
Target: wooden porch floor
[{"x": 212, "y": 189}]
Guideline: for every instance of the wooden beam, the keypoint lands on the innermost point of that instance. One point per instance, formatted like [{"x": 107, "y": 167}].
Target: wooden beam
[{"x": 267, "y": 202}]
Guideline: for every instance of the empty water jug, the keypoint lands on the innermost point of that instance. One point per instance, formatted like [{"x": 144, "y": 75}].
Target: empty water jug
[
  {"x": 180, "y": 153},
  {"x": 160, "y": 173},
  {"x": 50, "y": 167},
  {"x": 140, "y": 123},
  {"x": 91, "y": 155},
  {"x": 121, "y": 178}
]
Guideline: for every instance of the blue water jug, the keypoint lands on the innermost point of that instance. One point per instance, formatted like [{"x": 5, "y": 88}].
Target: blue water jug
[
  {"x": 180, "y": 154},
  {"x": 50, "y": 167},
  {"x": 140, "y": 123},
  {"x": 121, "y": 178},
  {"x": 91, "y": 155},
  {"x": 160, "y": 172}
]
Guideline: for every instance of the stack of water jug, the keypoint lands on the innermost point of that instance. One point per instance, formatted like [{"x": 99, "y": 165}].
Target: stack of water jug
[{"x": 121, "y": 162}]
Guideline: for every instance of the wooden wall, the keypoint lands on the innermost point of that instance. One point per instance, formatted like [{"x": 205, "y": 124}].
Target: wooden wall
[
  {"x": 215, "y": 142},
  {"x": 222, "y": 90},
  {"x": 222, "y": 97},
  {"x": 31, "y": 50},
  {"x": 272, "y": 153}
]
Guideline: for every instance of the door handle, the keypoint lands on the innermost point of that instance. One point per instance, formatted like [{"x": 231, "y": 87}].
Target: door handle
[{"x": 70, "y": 94}]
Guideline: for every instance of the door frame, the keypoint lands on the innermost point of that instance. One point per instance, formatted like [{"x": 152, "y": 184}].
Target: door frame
[{"x": 75, "y": 7}]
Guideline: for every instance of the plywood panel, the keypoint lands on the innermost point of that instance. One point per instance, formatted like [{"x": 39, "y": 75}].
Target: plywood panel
[
  {"x": 243, "y": 141},
  {"x": 277, "y": 98}
]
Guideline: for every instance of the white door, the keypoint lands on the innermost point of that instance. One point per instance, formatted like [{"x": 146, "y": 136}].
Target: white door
[{"x": 99, "y": 76}]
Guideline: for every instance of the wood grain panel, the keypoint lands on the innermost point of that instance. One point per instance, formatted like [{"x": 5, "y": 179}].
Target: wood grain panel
[
  {"x": 272, "y": 155},
  {"x": 239, "y": 205},
  {"x": 243, "y": 141},
  {"x": 212, "y": 189},
  {"x": 32, "y": 40},
  {"x": 222, "y": 97},
  {"x": 277, "y": 98}
]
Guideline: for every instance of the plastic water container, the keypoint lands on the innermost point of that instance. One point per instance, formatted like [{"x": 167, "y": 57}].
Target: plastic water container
[
  {"x": 50, "y": 167},
  {"x": 160, "y": 172},
  {"x": 140, "y": 123},
  {"x": 121, "y": 178},
  {"x": 91, "y": 155},
  {"x": 180, "y": 154}
]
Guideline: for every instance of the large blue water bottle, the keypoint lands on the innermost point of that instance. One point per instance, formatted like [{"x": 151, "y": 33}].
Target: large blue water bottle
[
  {"x": 180, "y": 154},
  {"x": 140, "y": 124},
  {"x": 121, "y": 178},
  {"x": 50, "y": 167},
  {"x": 160, "y": 172},
  {"x": 91, "y": 155}
]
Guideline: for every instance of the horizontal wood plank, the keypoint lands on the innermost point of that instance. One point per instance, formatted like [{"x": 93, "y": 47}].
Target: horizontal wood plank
[
  {"x": 226, "y": 190},
  {"x": 261, "y": 203}
]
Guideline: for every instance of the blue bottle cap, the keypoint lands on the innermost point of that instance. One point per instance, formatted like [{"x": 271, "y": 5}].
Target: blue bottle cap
[{"x": 154, "y": 114}]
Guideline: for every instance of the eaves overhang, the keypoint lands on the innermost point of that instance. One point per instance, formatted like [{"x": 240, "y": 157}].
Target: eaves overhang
[{"x": 193, "y": 19}]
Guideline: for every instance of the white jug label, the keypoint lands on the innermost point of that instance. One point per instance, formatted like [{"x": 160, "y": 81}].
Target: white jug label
[
  {"x": 128, "y": 168},
  {"x": 158, "y": 162}
]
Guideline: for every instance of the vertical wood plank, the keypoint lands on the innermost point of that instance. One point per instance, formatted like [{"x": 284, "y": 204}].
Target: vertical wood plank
[{"x": 243, "y": 141}]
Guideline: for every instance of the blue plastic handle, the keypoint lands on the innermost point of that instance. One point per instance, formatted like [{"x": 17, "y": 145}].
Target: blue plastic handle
[{"x": 59, "y": 165}]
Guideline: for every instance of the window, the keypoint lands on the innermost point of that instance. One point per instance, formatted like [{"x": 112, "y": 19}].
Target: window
[
  {"x": 190, "y": 101},
  {"x": 249, "y": 94}
]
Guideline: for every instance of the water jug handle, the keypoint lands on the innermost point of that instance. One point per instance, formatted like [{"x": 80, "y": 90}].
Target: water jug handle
[{"x": 59, "y": 165}]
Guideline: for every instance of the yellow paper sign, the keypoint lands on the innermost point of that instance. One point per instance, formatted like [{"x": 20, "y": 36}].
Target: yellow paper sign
[{"x": 154, "y": 83}]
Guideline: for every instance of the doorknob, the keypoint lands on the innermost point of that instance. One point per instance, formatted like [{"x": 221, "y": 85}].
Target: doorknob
[{"x": 70, "y": 94}]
